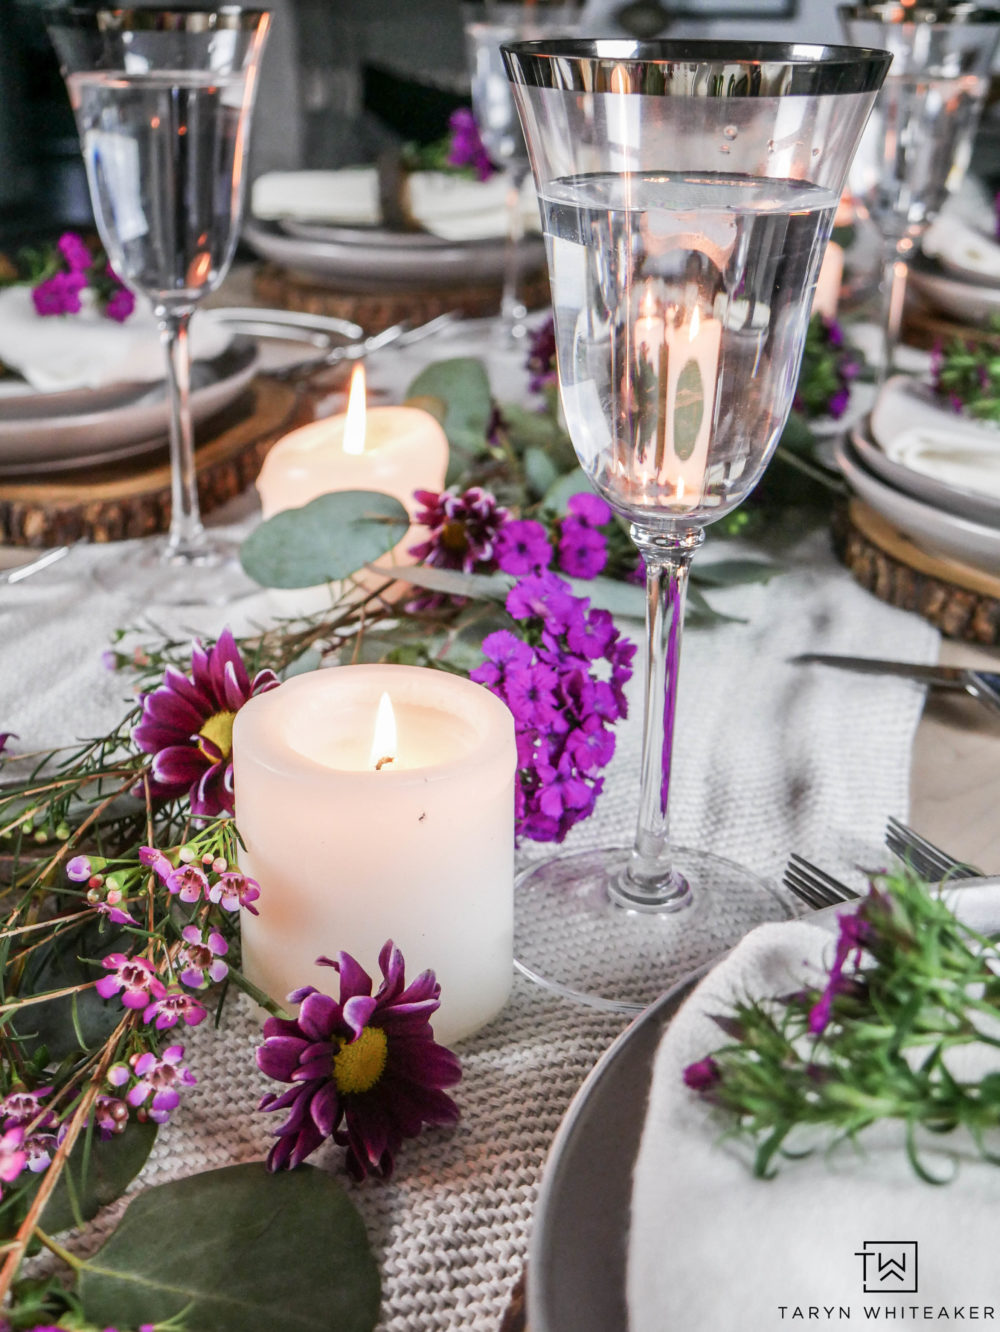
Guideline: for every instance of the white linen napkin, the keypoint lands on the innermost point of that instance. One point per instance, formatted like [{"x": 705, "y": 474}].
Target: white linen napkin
[
  {"x": 452, "y": 207},
  {"x": 88, "y": 350},
  {"x": 965, "y": 248},
  {"x": 712, "y": 1248},
  {"x": 916, "y": 430}
]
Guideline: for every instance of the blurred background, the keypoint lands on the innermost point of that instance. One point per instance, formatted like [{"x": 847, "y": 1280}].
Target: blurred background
[{"x": 340, "y": 83}]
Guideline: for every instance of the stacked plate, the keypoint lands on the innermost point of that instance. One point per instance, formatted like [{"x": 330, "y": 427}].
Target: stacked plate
[
  {"x": 934, "y": 475},
  {"x": 957, "y": 271},
  {"x": 328, "y": 224}
]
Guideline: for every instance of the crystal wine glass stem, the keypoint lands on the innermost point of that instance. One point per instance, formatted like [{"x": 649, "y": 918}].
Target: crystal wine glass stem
[
  {"x": 650, "y": 882},
  {"x": 894, "y": 273},
  {"x": 512, "y": 308},
  {"x": 186, "y": 541}
]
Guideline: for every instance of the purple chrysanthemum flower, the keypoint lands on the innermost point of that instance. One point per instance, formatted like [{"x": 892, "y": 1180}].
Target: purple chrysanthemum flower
[
  {"x": 173, "y": 1006},
  {"x": 74, "y": 251},
  {"x": 523, "y": 547},
  {"x": 461, "y": 529},
  {"x": 703, "y": 1075},
  {"x": 133, "y": 976},
  {"x": 159, "y": 1079},
  {"x": 233, "y": 890},
  {"x": 199, "y": 960},
  {"x": 466, "y": 148},
  {"x": 59, "y": 294},
  {"x": 187, "y": 725},
  {"x": 364, "y": 1070},
  {"x": 13, "y": 1157},
  {"x": 541, "y": 362}
]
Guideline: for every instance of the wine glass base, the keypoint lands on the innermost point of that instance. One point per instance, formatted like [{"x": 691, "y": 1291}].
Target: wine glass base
[
  {"x": 209, "y": 574},
  {"x": 571, "y": 936}
]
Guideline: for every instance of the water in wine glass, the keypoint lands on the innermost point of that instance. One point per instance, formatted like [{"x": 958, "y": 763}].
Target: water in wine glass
[
  {"x": 162, "y": 151},
  {"x": 680, "y": 306},
  {"x": 915, "y": 149}
]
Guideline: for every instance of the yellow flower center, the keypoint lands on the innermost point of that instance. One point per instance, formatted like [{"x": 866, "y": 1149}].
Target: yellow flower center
[
  {"x": 453, "y": 536},
  {"x": 219, "y": 730},
  {"x": 359, "y": 1065}
]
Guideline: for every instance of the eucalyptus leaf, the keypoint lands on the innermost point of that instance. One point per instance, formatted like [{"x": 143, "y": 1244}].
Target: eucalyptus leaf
[
  {"x": 333, "y": 536},
  {"x": 626, "y": 599},
  {"x": 462, "y": 384},
  {"x": 310, "y": 660},
  {"x": 237, "y": 1250},
  {"x": 735, "y": 573},
  {"x": 540, "y": 471},
  {"x": 558, "y": 496}
]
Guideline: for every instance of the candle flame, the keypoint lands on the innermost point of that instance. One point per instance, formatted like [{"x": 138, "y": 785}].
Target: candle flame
[
  {"x": 695, "y": 325},
  {"x": 384, "y": 737},
  {"x": 354, "y": 424}
]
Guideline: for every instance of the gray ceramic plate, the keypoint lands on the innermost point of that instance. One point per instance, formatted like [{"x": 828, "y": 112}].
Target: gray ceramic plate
[
  {"x": 360, "y": 259},
  {"x": 927, "y": 525},
  {"x": 134, "y": 421},
  {"x": 967, "y": 300},
  {"x": 964, "y": 503}
]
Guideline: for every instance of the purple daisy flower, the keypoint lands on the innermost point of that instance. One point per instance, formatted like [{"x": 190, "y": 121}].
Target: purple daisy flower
[
  {"x": 233, "y": 890},
  {"x": 159, "y": 1079},
  {"x": 133, "y": 976},
  {"x": 199, "y": 960},
  {"x": 365, "y": 1071},
  {"x": 173, "y": 1006},
  {"x": 462, "y": 529},
  {"x": 187, "y": 725}
]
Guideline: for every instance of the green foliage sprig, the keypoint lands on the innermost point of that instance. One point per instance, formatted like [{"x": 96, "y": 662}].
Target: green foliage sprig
[
  {"x": 909, "y": 984},
  {"x": 966, "y": 374}
]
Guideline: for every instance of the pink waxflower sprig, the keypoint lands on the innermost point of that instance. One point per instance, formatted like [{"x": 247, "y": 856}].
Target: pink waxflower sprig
[{"x": 71, "y": 268}]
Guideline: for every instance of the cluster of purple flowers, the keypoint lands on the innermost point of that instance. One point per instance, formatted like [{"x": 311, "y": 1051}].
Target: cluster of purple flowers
[
  {"x": 564, "y": 681},
  {"x": 473, "y": 533},
  {"x": 541, "y": 362},
  {"x": 466, "y": 147},
  {"x": 78, "y": 268},
  {"x": 828, "y": 370}
]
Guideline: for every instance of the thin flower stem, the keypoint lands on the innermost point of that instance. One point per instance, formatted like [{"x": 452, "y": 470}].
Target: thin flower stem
[
  {"x": 68, "y": 1258},
  {"x": 43, "y": 924},
  {"x": 46, "y": 996}
]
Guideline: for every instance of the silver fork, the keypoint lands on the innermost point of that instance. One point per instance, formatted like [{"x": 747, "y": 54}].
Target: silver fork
[
  {"x": 401, "y": 334},
  {"x": 814, "y": 886},
  {"x": 928, "y": 860}
]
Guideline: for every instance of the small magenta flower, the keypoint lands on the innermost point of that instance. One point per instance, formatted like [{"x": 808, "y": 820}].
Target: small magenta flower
[
  {"x": 466, "y": 148},
  {"x": 120, "y": 305},
  {"x": 38, "y": 1150},
  {"x": 583, "y": 547},
  {"x": 134, "y": 977},
  {"x": 22, "y": 1108},
  {"x": 187, "y": 725},
  {"x": 703, "y": 1075},
  {"x": 233, "y": 890},
  {"x": 199, "y": 961},
  {"x": 364, "y": 1070},
  {"x": 59, "y": 294},
  {"x": 854, "y": 933},
  {"x": 13, "y": 1157},
  {"x": 110, "y": 1115},
  {"x": 541, "y": 362},
  {"x": 523, "y": 547},
  {"x": 159, "y": 1079},
  {"x": 173, "y": 1006},
  {"x": 188, "y": 882},
  {"x": 74, "y": 251},
  {"x": 80, "y": 869}
]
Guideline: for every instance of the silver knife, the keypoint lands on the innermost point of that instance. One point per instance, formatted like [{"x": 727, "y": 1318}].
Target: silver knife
[{"x": 982, "y": 685}]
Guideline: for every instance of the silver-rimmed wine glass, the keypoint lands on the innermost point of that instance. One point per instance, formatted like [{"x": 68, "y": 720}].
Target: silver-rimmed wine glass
[
  {"x": 489, "y": 24},
  {"x": 918, "y": 143},
  {"x": 687, "y": 192},
  {"x": 163, "y": 101}
]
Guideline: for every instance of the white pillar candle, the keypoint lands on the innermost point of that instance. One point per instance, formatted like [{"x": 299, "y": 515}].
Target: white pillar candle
[
  {"x": 692, "y": 371},
  {"x": 394, "y": 450},
  {"x": 831, "y": 274},
  {"x": 351, "y": 850}
]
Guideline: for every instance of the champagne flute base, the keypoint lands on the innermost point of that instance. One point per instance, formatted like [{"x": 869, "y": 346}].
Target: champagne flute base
[
  {"x": 573, "y": 936},
  {"x": 161, "y": 575}
]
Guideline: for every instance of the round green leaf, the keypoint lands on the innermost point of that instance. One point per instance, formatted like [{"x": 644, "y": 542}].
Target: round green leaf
[
  {"x": 331, "y": 537},
  {"x": 461, "y": 383},
  {"x": 237, "y": 1250}
]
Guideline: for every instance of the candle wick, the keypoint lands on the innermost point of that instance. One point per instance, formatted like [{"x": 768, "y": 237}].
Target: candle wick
[{"x": 388, "y": 758}]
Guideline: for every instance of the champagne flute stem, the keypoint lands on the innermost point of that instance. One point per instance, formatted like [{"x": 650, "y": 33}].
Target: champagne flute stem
[
  {"x": 186, "y": 541},
  {"x": 512, "y": 308},
  {"x": 894, "y": 274},
  {"x": 650, "y": 881}
]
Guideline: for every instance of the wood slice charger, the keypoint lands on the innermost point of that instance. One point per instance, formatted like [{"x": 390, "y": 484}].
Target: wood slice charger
[
  {"x": 131, "y": 498},
  {"x": 959, "y": 600}
]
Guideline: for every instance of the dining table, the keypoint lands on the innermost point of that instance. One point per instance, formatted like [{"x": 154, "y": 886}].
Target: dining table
[{"x": 772, "y": 757}]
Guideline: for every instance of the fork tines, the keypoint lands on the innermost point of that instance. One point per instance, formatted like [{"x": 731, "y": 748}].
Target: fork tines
[
  {"x": 923, "y": 857},
  {"x": 814, "y": 886}
]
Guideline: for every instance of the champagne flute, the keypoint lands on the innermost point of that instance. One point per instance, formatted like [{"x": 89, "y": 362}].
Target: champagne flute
[
  {"x": 687, "y": 192},
  {"x": 163, "y": 101},
  {"x": 918, "y": 143},
  {"x": 489, "y": 24}
]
